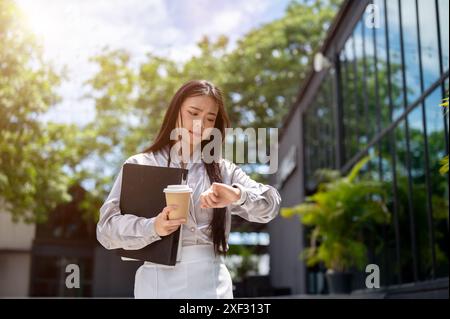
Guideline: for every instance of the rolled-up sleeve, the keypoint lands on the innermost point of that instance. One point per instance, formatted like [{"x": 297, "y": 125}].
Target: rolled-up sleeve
[
  {"x": 258, "y": 203},
  {"x": 127, "y": 231}
]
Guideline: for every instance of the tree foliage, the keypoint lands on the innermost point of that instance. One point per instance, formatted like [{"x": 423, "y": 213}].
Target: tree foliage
[
  {"x": 32, "y": 180},
  {"x": 260, "y": 76}
]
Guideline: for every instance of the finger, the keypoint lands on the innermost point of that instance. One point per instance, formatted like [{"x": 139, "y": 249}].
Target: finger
[
  {"x": 214, "y": 188},
  {"x": 175, "y": 222},
  {"x": 172, "y": 229},
  {"x": 213, "y": 197},
  {"x": 165, "y": 212},
  {"x": 202, "y": 201},
  {"x": 164, "y": 215},
  {"x": 204, "y": 204},
  {"x": 169, "y": 208},
  {"x": 209, "y": 202}
]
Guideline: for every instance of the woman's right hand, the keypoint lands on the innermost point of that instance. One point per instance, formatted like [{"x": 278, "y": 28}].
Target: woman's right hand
[{"x": 164, "y": 226}]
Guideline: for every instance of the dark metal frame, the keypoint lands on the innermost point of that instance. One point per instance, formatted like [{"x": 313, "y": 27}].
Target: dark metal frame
[
  {"x": 393, "y": 151},
  {"x": 408, "y": 152},
  {"x": 334, "y": 48},
  {"x": 427, "y": 156},
  {"x": 441, "y": 69},
  {"x": 339, "y": 127},
  {"x": 377, "y": 97},
  {"x": 408, "y": 109}
]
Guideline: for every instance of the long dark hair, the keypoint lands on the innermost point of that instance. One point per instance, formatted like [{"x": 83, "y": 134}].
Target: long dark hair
[{"x": 189, "y": 89}]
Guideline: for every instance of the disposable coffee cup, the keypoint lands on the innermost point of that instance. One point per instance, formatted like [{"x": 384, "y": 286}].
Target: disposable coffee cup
[{"x": 179, "y": 195}]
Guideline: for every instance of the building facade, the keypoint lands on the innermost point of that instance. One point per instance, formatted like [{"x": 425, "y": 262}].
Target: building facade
[
  {"x": 34, "y": 258},
  {"x": 16, "y": 241},
  {"x": 378, "y": 93}
]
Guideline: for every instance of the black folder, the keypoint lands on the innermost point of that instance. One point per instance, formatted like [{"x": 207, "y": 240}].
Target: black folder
[{"x": 142, "y": 195}]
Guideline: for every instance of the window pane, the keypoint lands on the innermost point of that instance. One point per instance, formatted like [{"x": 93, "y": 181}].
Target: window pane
[
  {"x": 403, "y": 197},
  {"x": 447, "y": 113},
  {"x": 370, "y": 78},
  {"x": 429, "y": 42},
  {"x": 347, "y": 94},
  {"x": 389, "y": 257},
  {"x": 361, "y": 89},
  {"x": 438, "y": 183},
  {"x": 326, "y": 91},
  {"x": 381, "y": 69},
  {"x": 443, "y": 20},
  {"x": 419, "y": 190},
  {"x": 409, "y": 24},
  {"x": 350, "y": 102},
  {"x": 319, "y": 140},
  {"x": 395, "y": 57}
]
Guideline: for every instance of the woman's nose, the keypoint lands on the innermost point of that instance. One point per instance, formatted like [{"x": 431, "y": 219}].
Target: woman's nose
[
  {"x": 204, "y": 123},
  {"x": 199, "y": 124}
]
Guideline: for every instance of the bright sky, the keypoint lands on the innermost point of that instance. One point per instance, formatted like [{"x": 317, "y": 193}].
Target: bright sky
[{"x": 73, "y": 30}]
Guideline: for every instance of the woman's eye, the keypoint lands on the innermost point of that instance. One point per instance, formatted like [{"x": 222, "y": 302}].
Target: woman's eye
[
  {"x": 193, "y": 114},
  {"x": 211, "y": 120}
]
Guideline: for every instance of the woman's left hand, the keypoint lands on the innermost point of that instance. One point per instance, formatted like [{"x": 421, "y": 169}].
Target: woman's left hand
[{"x": 219, "y": 195}]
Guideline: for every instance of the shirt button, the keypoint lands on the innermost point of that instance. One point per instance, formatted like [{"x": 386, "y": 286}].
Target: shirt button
[{"x": 192, "y": 229}]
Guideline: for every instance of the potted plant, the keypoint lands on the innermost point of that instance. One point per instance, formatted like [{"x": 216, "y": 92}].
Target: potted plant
[
  {"x": 241, "y": 264},
  {"x": 340, "y": 213},
  {"x": 444, "y": 162}
]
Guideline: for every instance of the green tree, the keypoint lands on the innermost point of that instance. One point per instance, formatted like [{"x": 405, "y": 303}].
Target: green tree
[
  {"x": 270, "y": 62},
  {"x": 260, "y": 78},
  {"x": 38, "y": 160}
]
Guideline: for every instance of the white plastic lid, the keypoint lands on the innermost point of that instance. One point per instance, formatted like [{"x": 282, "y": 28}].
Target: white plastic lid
[{"x": 177, "y": 189}]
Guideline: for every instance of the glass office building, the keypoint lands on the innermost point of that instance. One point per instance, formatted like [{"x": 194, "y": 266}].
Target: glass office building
[{"x": 381, "y": 97}]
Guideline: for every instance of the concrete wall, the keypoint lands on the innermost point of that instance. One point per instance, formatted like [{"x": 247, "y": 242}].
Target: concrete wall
[
  {"x": 286, "y": 235},
  {"x": 15, "y": 256},
  {"x": 15, "y": 236},
  {"x": 14, "y": 274}
]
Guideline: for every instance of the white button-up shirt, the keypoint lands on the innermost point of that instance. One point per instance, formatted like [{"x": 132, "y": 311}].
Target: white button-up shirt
[{"x": 258, "y": 203}]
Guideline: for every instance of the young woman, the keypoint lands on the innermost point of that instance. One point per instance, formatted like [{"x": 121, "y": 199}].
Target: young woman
[{"x": 220, "y": 188}]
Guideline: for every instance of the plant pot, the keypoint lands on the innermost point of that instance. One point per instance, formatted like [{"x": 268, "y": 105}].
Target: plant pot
[{"x": 339, "y": 282}]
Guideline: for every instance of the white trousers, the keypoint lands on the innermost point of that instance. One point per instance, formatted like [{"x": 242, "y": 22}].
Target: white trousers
[{"x": 198, "y": 275}]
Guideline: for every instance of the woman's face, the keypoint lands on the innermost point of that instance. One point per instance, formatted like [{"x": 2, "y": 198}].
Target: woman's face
[{"x": 201, "y": 109}]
